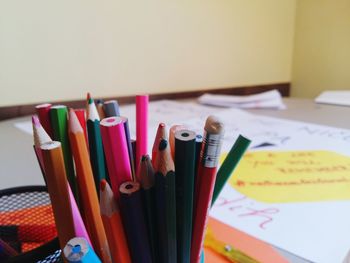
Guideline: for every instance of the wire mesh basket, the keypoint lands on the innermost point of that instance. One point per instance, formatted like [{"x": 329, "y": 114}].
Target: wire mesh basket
[{"x": 27, "y": 225}]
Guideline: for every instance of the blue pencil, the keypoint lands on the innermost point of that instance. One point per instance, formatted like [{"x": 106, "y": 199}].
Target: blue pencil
[{"x": 78, "y": 250}]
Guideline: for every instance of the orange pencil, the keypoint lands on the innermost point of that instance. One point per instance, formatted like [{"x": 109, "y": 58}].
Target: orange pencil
[
  {"x": 87, "y": 188},
  {"x": 57, "y": 185},
  {"x": 112, "y": 222}
]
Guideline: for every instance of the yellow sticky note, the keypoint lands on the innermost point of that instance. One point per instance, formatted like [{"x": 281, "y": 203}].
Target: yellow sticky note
[{"x": 293, "y": 176}]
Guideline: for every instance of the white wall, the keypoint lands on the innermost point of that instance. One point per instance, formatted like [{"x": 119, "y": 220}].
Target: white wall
[
  {"x": 58, "y": 50},
  {"x": 322, "y": 47}
]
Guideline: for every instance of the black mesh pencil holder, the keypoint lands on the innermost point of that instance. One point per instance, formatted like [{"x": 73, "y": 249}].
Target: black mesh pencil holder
[{"x": 27, "y": 225}]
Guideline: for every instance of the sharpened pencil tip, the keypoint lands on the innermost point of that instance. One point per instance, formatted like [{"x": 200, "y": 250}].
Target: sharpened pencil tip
[
  {"x": 88, "y": 96},
  {"x": 144, "y": 158},
  {"x": 103, "y": 184},
  {"x": 163, "y": 144}
]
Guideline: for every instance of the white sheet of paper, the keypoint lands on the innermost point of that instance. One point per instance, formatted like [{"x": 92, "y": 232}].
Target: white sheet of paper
[
  {"x": 317, "y": 231},
  {"x": 337, "y": 97},
  {"x": 268, "y": 99}
]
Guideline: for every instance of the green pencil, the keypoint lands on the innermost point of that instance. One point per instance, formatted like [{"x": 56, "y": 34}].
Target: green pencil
[
  {"x": 97, "y": 158},
  {"x": 59, "y": 122},
  {"x": 165, "y": 203},
  {"x": 146, "y": 175},
  {"x": 185, "y": 155},
  {"x": 229, "y": 164}
]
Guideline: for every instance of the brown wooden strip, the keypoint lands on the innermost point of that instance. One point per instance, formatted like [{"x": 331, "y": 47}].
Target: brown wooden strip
[{"x": 9, "y": 112}]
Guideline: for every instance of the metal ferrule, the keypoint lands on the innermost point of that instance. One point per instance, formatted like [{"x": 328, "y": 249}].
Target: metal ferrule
[{"x": 211, "y": 149}]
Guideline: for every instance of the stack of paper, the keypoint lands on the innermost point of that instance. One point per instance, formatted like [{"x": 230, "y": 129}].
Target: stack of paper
[
  {"x": 337, "y": 97},
  {"x": 268, "y": 99}
]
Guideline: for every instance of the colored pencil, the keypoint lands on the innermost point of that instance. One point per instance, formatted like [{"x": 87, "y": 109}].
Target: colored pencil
[
  {"x": 146, "y": 175},
  {"x": 88, "y": 97},
  {"x": 165, "y": 203},
  {"x": 79, "y": 225},
  {"x": 87, "y": 188},
  {"x": 134, "y": 222},
  {"x": 6, "y": 251},
  {"x": 97, "y": 157},
  {"x": 56, "y": 179},
  {"x": 173, "y": 129},
  {"x": 185, "y": 152},
  {"x": 128, "y": 143},
  {"x": 43, "y": 112},
  {"x": 59, "y": 122},
  {"x": 210, "y": 153},
  {"x": 111, "y": 108},
  {"x": 81, "y": 114},
  {"x": 77, "y": 250},
  {"x": 199, "y": 140},
  {"x": 112, "y": 222},
  {"x": 40, "y": 138},
  {"x": 133, "y": 146},
  {"x": 100, "y": 109},
  {"x": 116, "y": 150},
  {"x": 141, "y": 128},
  {"x": 229, "y": 164},
  {"x": 161, "y": 133}
]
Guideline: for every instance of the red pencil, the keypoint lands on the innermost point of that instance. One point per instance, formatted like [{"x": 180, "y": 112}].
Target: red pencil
[
  {"x": 81, "y": 114},
  {"x": 210, "y": 153},
  {"x": 43, "y": 111}
]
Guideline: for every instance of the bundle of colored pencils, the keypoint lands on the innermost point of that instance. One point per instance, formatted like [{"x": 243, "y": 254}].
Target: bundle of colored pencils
[{"x": 147, "y": 210}]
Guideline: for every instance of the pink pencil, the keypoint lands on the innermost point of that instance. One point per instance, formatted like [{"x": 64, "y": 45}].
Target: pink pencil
[
  {"x": 141, "y": 128},
  {"x": 43, "y": 111},
  {"x": 116, "y": 150},
  {"x": 79, "y": 226}
]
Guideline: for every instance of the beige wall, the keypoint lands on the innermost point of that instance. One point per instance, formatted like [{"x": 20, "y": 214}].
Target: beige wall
[
  {"x": 322, "y": 47},
  {"x": 58, "y": 50}
]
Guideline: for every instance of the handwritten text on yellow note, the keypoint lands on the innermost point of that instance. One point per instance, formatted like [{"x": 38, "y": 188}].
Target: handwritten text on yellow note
[{"x": 293, "y": 176}]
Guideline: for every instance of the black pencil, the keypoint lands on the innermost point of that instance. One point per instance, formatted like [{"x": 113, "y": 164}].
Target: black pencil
[
  {"x": 134, "y": 222},
  {"x": 165, "y": 203},
  {"x": 185, "y": 152},
  {"x": 146, "y": 175},
  {"x": 111, "y": 108}
]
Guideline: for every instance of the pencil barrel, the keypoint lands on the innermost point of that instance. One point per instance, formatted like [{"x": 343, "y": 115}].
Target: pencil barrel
[
  {"x": 141, "y": 128},
  {"x": 116, "y": 150},
  {"x": 228, "y": 166},
  {"x": 185, "y": 151},
  {"x": 96, "y": 152},
  {"x": 59, "y": 122},
  {"x": 134, "y": 223},
  {"x": 148, "y": 196},
  {"x": 166, "y": 216},
  {"x": 58, "y": 190},
  {"x": 111, "y": 108}
]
